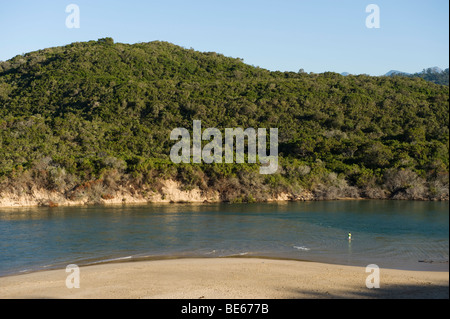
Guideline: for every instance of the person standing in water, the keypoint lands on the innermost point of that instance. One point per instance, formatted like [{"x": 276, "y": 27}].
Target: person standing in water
[{"x": 349, "y": 236}]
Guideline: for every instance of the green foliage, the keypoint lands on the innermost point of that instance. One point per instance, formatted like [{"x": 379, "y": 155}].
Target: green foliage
[
  {"x": 434, "y": 76},
  {"x": 100, "y": 107}
]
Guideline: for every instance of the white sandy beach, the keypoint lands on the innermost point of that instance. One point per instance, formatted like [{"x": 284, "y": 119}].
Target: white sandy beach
[{"x": 225, "y": 278}]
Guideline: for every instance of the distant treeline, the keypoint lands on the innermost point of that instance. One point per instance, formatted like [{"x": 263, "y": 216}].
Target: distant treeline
[
  {"x": 432, "y": 75},
  {"x": 100, "y": 113}
]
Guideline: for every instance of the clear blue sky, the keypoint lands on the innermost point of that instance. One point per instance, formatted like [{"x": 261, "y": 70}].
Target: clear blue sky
[{"x": 286, "y": 35}]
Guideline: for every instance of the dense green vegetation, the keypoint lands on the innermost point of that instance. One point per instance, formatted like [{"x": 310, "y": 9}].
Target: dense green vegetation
[
  {"x": 100, "y": 113},
  {"x": 432, "y": 75}
]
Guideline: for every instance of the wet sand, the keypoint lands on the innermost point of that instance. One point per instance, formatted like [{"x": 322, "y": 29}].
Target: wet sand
[{"x": 225, "y": 278}]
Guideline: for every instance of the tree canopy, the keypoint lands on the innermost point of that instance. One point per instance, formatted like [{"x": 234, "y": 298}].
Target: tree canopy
[{"x": 104, "y": 111}]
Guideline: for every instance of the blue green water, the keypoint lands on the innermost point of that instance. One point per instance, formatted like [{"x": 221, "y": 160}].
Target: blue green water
[{"x": 391, "y": 234}]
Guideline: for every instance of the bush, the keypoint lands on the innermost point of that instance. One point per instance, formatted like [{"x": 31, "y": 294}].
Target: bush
[{"x": 405, "y": 184}]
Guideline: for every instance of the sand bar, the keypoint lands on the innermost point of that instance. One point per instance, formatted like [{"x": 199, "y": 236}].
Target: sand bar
[{"x": 224, "y": 278}]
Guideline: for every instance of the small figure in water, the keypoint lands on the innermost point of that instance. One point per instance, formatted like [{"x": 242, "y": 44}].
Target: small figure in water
[{"x": 349, "y": 236}]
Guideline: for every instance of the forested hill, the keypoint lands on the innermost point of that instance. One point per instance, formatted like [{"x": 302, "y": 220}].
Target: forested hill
[
  {"x": 434, "y": 75},
  {"x": 103, "y": 111}
]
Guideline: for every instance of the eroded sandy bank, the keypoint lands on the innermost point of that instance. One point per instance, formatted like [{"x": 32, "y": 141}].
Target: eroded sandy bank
[{"x": 170, "y": 192}]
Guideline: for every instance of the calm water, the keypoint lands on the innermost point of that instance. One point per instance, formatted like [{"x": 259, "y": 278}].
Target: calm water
[{"x": 391, "y": 234}]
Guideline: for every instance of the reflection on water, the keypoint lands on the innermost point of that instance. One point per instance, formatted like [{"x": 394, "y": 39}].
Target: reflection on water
[{"x": 387, "y": 233}]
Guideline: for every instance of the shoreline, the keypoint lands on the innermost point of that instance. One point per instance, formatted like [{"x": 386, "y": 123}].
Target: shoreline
[
  {"x": 224, "y": 278},
  {"x": 145, "y": 203},
  {"x": 432, "y": 265},
  {"x": 204, "y": 202},
  {"x": 171, "y": 192}
]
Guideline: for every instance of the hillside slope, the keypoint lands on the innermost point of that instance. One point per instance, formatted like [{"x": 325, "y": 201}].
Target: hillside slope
[
  {"x": 434, "y": 74},
  {"x": 86, "y": 119}
]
